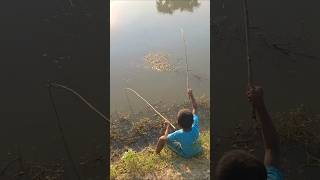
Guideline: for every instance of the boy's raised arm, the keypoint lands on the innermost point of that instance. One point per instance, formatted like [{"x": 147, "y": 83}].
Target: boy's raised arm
[
  {"x": 193, "y": 102},
  {"x": 270, "y": 136}
]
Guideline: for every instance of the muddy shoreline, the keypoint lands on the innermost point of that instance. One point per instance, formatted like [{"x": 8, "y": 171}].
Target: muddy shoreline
[{"x": 139, "y": 130}]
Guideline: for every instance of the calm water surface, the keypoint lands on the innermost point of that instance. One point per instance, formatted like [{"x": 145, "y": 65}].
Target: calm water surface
[
  {"x": 141, "y": 27},
  {"x": 47, "y": 40},
  {"x": 289, "y": 79}
]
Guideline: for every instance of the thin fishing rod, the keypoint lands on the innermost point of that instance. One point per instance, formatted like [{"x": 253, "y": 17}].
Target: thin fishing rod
[
  {"x": 249, "y": 60},
  {"x": 137, "y": 94},
  {"x": 186, "y": 57},
  {"x": 56, "y": 85},
  {"x": 66, "y": 146},
  {"x": 246, "y": 22}
]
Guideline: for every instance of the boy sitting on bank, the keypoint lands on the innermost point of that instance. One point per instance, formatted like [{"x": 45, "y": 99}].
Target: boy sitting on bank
[
  {"x": 238, "y": 164},
  {"x": 184, "y": 142}
]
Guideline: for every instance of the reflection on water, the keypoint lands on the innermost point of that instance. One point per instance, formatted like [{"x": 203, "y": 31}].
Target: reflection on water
[{"x": 169, "y": 6}]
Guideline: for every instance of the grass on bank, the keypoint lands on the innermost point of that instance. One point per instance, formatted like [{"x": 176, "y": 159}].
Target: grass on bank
[{"x": 146, "y": 164}]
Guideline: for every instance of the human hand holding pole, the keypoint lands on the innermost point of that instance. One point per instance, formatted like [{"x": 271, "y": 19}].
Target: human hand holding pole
[
  {"x": 193, "y": 102},
  {"x": 168, "y": 125},
  {"x": 269, "y": 133}
]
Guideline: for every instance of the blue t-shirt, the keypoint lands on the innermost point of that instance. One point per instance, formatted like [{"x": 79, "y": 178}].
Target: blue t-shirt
[
  {"x": 274, "y": 173},
  {"x": 187, "y": 142}
]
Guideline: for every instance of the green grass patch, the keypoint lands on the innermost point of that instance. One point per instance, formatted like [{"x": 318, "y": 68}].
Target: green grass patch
[{"x": 145, "y": 163}]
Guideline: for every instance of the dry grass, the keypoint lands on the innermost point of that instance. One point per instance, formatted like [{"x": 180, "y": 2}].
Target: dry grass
[
  {"x": 298, "y": 126},
  {"x": 146, "y": 164},
  {"x": 134, "y": 135}
]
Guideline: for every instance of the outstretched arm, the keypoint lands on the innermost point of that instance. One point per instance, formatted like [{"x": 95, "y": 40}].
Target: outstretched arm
[
  {"x": 193, "y": 102},
  {"x": 269, "y": 133}
]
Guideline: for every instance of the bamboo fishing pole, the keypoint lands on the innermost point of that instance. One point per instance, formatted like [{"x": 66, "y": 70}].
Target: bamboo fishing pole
[
  {"x": 56, "y": 85},
  {"x": 137, "y": 94},
  {"x": 186, "y": 56},
  {"x": 249, "y": 60}
]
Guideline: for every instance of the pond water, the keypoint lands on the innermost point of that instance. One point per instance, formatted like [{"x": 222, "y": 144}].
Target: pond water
[
  {"x": 139, "y": 28},
  {"x": 284, "y": 44},
  {"x": 48, "y": 40},
  {"x": 289, "y": 79}
]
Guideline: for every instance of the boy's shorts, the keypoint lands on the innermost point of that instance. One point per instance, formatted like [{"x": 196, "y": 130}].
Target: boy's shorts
[
  {"x": 274, "y": 173},
  {"x": 175, "y": 147}
]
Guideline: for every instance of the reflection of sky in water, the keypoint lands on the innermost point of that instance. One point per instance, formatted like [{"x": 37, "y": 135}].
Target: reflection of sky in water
[{"x": 137, "y": 28}]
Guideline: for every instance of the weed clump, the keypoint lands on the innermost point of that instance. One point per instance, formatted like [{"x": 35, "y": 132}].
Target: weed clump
[
  {"x": 297, "y": 125},
  {"x": 136, "y": 164},
  {"x": 145, "y": 163}
]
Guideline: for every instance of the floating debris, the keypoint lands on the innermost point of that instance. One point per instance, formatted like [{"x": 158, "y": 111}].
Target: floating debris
[{"x": 159, "y": 62}]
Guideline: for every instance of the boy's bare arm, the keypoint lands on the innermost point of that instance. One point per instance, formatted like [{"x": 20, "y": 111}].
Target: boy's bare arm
[
  {"x": 163, "y": 139},
  {"x": 167, "y": 128},
  {"x": 193, "y": 102},
  {"x": 270, "y": 136}
]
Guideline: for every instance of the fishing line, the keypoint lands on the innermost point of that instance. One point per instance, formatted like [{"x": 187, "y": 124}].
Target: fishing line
[
  {"x": 137, "y": 94},
  {"x": 66, "y": 146},
  {"x": 2, "y": 172},
  {"x": 187, "y": 72}
]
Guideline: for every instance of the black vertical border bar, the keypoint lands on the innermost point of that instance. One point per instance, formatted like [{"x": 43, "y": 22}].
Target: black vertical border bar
[
  {"x": 107, "y": 60},
  {"x": 211, "y": 90}
]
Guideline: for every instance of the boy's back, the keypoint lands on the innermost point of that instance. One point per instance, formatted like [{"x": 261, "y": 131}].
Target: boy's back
[{"x": 186, "y": 143}]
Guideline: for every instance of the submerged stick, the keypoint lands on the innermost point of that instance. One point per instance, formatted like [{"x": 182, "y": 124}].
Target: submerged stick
[
  {"x": 186, "y": 57},
  {"x": 129, "y": 104},
  {"x": 137, "y": 94},
  {"x": 127, "y": 97}
]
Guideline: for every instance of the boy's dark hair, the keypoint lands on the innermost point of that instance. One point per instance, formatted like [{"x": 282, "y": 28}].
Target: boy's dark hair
[
  {"x": 185, "y": 119},
  {"x": 238, "y": 164}
]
